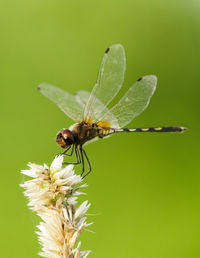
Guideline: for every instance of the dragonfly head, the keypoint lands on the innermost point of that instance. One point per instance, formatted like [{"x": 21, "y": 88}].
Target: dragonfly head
[{"x": 64, "y": 138}]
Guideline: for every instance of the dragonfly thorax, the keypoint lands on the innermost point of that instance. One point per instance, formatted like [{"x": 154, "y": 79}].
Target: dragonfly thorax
[
  {"x": 65, "y": 138},
  {"x": 84, "y": 132}
]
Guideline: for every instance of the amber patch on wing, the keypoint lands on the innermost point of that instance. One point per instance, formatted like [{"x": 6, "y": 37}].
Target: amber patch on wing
[
  {"x": 103, "y": 124},
  {"x": 88, "y": 120}
]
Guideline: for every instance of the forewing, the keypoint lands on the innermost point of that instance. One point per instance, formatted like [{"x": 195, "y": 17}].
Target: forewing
[
  {"x": 134, "y": 102},
  {"x": 82, "y": 98},
  {"x": 66, "y": 101},
  {"x": 109, "y": 82}
]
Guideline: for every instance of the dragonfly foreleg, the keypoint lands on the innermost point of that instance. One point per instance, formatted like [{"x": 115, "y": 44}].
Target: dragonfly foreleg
[
  {"x": 78, "y": 159},
  {"x": 65, "y": 152}
]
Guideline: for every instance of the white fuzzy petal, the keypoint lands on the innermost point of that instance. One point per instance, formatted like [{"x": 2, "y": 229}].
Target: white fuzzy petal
[
  {"x": 82, "y": 210},
  {"x": 56, "y": 165},
  {"x": 84, "y": 254}
]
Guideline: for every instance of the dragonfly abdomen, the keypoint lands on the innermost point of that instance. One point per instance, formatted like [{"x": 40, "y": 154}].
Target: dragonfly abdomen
[{"x": 152, "y": 129}]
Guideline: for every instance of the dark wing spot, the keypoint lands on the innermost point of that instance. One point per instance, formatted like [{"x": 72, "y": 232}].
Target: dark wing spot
[
  {"x": 139, "y": 79},
  {"x": 107, "y": 50},
  {"x": 38, "y": 87}
]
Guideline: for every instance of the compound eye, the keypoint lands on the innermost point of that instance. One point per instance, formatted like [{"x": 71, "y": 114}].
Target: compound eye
[
  {"x": 65, "y": 138},
  {"x": 60, "y": 141},
  {"x": 66, "y": 134}
]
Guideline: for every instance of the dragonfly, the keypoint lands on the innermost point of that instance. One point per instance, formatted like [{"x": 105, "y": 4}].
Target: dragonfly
[{"x": 90, "y": 112}]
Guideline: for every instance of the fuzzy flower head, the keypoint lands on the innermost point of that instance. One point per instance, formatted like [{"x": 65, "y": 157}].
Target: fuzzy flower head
[
  {"x": 52, "y": 194},
  {"x": 51, "y": 186}
]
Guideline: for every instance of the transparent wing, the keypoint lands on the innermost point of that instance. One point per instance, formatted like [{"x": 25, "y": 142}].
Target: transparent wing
[
  {"x": 82, "y": 98},
  {"x": 109, "y": 82},
  {"x": 66, "y": 101},
  {"x": 133, "y": 103}
]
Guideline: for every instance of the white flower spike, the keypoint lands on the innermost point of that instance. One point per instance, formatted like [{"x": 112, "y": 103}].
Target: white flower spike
[{"x": 52, "y": 195}]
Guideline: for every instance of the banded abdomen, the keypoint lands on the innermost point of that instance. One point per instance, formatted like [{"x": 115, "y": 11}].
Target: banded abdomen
[{"x": 152, "y": 129}]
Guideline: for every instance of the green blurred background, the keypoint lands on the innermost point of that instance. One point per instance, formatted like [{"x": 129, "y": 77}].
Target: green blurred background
[{"x": 144, "y": 188}]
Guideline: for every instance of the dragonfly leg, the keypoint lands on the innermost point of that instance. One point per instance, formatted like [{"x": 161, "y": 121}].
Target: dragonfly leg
[
  {"x": 78, "y": 160},
  {"x": 82, "y": 159},
  {"x": 64, "y": 153},
  {"x": 71, "y": 153},
  {"x": 87, "y": 162}
]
